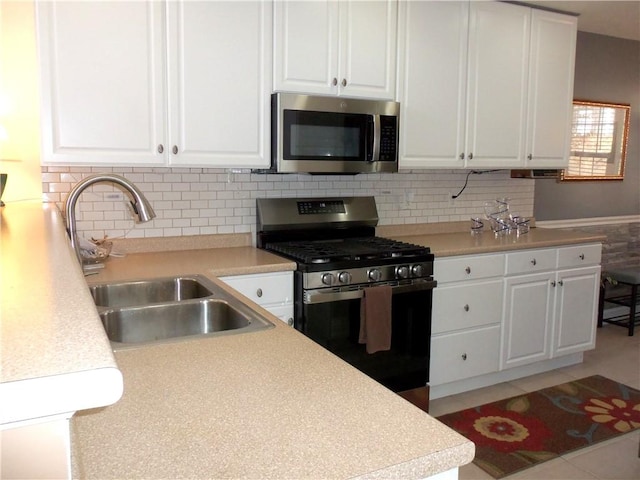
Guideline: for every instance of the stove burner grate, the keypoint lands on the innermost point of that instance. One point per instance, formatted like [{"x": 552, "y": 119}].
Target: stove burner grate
[{"x": 348, "y": 249}]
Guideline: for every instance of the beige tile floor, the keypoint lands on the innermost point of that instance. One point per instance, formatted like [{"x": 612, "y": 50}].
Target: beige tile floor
[{"x": 617, "y": 356}]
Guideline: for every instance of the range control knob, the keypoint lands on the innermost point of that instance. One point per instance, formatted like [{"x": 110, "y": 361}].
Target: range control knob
[
  {"x": 417, "y": 270},
  {"x": 327, "y": 278},
  {"x": 402, "y": 272},
  {"x": 375, "y": 275},
  {"x": 344, "y": 277}
]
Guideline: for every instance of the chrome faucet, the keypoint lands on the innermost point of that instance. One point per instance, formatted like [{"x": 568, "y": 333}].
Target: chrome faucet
[{"x": 141, "y": 206}]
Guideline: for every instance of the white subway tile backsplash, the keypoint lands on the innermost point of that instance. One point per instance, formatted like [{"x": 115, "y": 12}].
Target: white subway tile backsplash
[{"x": 213, "y": 201}]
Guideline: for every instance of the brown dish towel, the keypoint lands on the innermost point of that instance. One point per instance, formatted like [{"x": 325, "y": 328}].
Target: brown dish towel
[{"x": 375, "y": 318}]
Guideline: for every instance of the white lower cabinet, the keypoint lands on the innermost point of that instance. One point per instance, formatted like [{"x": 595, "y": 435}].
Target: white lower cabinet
[
  {"x": 461, "y": 355},
  {"x": 576, "y": 310},
  {"x": 497, "y": 317},
  {"x": 272, "y": 291},
  {"x": 467, "y": 310},
  {"x": 527, "y": 319},
  {"x": 551, "y": 313}
]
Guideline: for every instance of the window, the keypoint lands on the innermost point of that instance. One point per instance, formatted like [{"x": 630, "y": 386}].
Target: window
[{"x": 598, "y": 141}]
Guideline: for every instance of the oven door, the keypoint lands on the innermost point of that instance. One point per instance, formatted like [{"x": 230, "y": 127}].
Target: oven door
[{"x": 332, "y": 319}]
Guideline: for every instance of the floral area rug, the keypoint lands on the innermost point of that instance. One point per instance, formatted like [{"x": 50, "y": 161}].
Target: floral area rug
[{"x": 520, "y": 432}]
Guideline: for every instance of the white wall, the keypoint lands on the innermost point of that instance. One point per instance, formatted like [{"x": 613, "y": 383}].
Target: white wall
[{"x": 211, "y": 201}]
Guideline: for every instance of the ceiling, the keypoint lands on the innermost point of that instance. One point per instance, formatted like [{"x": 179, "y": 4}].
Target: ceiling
[{"x": 612, "y": 18}]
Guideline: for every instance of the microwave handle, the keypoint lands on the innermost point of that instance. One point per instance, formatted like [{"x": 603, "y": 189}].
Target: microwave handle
[{"x": 374, "y": 136}]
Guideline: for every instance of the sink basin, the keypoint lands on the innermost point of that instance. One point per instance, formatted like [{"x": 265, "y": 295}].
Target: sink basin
[
  {"x": 145, "y": 292},
  {"x": 174, "y": 320},
  {"x": 171, "y": 309}
]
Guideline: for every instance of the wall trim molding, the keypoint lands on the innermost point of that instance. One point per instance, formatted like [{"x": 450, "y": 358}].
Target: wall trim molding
[{"x": 587, "y": 222}]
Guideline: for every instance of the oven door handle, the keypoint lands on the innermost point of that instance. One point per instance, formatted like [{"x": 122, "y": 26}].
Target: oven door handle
[{"x": 323, "y": 296}]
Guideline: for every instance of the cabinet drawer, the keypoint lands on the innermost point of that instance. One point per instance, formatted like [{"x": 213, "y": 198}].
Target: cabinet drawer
[
  {"x": 471, "y": 304},
  {"x": 579, "y": 255},
  {"x": 264, "y": 288},
  {"x": 283, "y": 312},
  {"x": 457, "y": 356},
  {"x": 468, "y": 267},
  {"x": 530, "y": 261}
]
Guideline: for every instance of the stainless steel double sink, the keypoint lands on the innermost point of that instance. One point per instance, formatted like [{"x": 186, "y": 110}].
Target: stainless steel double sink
[{"x": 161, "y": 310}]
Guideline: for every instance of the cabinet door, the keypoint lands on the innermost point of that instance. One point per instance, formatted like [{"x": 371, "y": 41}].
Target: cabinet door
[
  {"x": 432, "y": 78},
  {"x": 497, "y": 85},
  {"x": 337, "y": 48},
  {"x": 367, "y": 63},
  {"x": 102, "y": 82},
  {"x": 553, "y": 47},
  {"x": 219, "y": 83},
  {"x": 528, "y": 318},
  {"x": 305, "y": 46},
  {"x": 576, "y": 310}
]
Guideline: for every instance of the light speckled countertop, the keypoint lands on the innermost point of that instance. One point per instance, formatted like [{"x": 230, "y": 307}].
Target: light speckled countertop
[
  {"x": 55, "y": 355},
  {"x": 454, "y": 238},
  {"x": 269, "y": 404}
]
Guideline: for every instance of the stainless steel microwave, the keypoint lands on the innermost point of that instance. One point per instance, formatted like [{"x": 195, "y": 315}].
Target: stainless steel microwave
[{"x": 333, "y": 135}]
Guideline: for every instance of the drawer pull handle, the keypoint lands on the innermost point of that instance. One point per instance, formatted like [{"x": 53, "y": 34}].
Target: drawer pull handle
[
  {"x": 533, "y": 262},
  {"x": 468, "y": 270},
  {"x": 466, "y": 308},
  {"x": 259, "y": 293},
  {"x": 464, "y": 356},
  {"x": 581, "y": 256}
]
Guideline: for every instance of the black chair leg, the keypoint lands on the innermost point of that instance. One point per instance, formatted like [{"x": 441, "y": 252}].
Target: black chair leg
[{"x": 632, "y": 308}]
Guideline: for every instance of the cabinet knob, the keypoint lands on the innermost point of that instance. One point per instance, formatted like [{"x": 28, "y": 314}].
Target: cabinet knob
[
  {"x": 560, "y": 282},
  {"x": 175, "y": 149},
  {"x": 466, "y": 308},
  {"x": 334, "y": 82},
  {"x": 259, "y": 293},
  {"x": 471, "y": 156},
  {"x": 581, "y": 256},
  {"x": 160, "y": 148},
  {"x": 553, "y": 283},
  {"x": 533, "y": 262},
  {"x": 344, "y": 82},
  {"x": 462, "y": 156},
  {"x": 464, "y": 356},
  {"x": 290, "y": 321},
  {"x": 468, "y": 270},
  {"x": 530, "y": 157}
]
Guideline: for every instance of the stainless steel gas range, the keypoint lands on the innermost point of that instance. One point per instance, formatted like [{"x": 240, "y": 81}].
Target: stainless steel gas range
[{"x": 339, "y": 259}]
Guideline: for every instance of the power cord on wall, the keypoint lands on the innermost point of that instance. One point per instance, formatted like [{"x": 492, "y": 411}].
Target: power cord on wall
[{"x": 475, "y": 172}]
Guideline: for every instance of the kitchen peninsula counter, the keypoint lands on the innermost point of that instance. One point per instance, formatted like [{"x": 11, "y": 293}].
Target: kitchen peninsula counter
[
  {"x": 267, "y": 404},
  {"x": 55, "y": 355}
]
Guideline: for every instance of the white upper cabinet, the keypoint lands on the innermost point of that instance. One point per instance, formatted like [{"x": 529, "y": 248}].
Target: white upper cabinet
[
  {"x": 553, "y": 47},
  {"x": 219, "y": 83},
  {"x": 155, "y": 83},
  {"x": 103, "y": 82},
  {"x": 432, "y": 81},
  {"x": 336, "y": 48},
  {"x": 478, "y": 84},
  {"x": 497, "y": 84}
]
